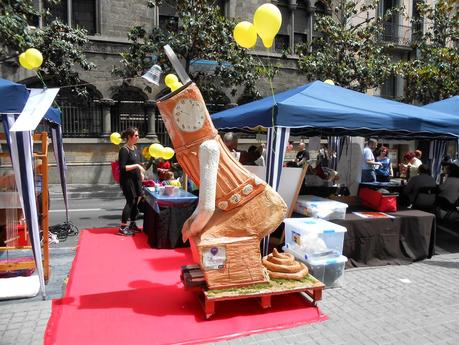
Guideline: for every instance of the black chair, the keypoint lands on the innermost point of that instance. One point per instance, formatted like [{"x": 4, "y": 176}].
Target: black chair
[
  {"x": 451, "y": 209},
  {"x": 426, "y": 199}
]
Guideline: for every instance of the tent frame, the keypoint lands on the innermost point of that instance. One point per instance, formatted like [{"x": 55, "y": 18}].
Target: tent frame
[{"x": 42, "y": 155}]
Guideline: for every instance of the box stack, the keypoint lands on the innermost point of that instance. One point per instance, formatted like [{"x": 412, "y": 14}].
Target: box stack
[
  {"x": 319, "y": 244},
  {"x": 317, "y": 207}
]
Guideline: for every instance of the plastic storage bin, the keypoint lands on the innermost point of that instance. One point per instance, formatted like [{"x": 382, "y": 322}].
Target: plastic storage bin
[
  {"x": 329, "y": 271},
  {"x": 313, "y": 237},
  {"x": 317, "y": 207}
]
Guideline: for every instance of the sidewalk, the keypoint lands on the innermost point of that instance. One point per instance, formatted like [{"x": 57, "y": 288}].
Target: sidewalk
[
  {"x": 410, "y": 304},
  {"x": 86, "y": 191}
]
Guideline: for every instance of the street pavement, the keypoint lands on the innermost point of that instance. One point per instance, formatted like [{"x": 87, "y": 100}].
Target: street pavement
[{"x": 408, "y": 304}]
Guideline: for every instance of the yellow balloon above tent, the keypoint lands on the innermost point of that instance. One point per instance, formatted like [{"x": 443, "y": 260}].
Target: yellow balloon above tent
[
  {"x": 267, "y": 21},
  {"x": 34, "y": 57},
  {"x": 245, "y": 34},
  {"x": 24, "y": 63},
  {"x": 168, "y": 153},
  {"x": 156, "y": 150},
  {"x": 329, "y": 82}
]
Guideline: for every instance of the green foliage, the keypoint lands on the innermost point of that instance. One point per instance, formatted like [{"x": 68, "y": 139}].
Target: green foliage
[
  {"x": 348, "y": 48},
  {"x": 61, "y": 45},
  {"x": 434, "y": 74},
  {"x": 201, "y": 32}
]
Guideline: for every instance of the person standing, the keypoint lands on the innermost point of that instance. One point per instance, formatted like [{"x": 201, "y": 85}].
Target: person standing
[
  {"x": 302, "y": 156},
  {"x": 368, "y": 162},
  {"x": 384, "y": 173},
  {"x": 131, "y": 174}
]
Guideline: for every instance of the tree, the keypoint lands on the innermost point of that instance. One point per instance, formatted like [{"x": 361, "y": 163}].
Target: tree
[
  {"x": 348, "y": 48},
  {"x": 201, "y": 33},
  {"x": 434, "y": 73},
  {"x": 61, "y": 45}
]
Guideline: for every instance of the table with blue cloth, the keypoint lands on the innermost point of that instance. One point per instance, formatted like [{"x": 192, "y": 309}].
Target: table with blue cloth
[{"x": 165, "y": 215}]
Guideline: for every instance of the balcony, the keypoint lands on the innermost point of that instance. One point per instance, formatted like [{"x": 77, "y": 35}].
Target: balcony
[{"x": 400, "y": 35}]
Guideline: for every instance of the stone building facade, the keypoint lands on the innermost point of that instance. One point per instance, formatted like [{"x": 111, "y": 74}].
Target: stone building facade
[{"x": 115, "y": 105}]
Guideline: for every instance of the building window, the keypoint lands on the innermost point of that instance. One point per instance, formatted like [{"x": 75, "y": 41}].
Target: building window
[
  {"x": 168, "y": 19},
  {"x": 282, "y": 39},
  {"x": 389, "y": 88},
  {"x": 301, "y": 23},
  {"x": 418, "y": 21},
  {"x": 81, "y": 13},
  {"x": 297, "y": 25}
]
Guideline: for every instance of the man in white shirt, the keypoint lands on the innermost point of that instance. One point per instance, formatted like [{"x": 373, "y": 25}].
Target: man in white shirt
[{"x": 368, "y": 162}]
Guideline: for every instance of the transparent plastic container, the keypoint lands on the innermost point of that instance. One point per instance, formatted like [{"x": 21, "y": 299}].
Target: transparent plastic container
[
  {"x": 317, "y": 207},
  {"x": 314, "y": 238},
  {"x": 329, "y": 270}
]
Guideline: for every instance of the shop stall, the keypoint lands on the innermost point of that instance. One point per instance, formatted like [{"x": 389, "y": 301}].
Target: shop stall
[{"x": 319, "y": 109}]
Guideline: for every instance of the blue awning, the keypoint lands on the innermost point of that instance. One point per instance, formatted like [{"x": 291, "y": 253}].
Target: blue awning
[
  {"x": 322, "y": 109},
  {"x": 449, "y": 105},
  {"x": 13, "y": 97}
]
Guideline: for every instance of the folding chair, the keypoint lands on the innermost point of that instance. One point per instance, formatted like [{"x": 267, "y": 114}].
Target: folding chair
[{"x": 426, "y": 199}]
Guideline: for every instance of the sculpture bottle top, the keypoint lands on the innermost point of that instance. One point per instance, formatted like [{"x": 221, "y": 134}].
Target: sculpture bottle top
[{"x": 188, "y": 123}]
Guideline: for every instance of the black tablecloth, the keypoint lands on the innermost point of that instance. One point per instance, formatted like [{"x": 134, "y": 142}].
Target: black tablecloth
[
  {"x": 408, "y": 237},
  {"x": 164, "y": 230}
]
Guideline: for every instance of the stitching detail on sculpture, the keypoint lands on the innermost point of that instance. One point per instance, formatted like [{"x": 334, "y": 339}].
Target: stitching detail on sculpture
[
  {"x": 223, "y": 205},
  {"x": 235, "y": 198},
  {"x": 258, "y": 180},
  {"x": 247, "y": 189}
]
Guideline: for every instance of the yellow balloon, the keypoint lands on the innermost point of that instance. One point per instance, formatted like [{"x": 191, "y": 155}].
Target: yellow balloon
[
  {"x": 168, "y": 153},
  {"x": 175, "y": 86},
  {"x": 24, "y": 63},
  {"x": 115, "y": 138},
  {"x": 329, "y": 82},
  {"x": 156, "y": 150},
  {"x": 170, "y": 80},
  {"x": 245, "y": 34},
  {"x": 34, "y": 57},
  {"x": 267, "y": 21}
]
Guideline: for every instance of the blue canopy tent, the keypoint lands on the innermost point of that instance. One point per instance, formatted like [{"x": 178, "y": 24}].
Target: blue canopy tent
[
  {"x": 317, "y": 108},
  {"x": 321, "y": 109},
  {"x": 449, "y": 105},
  {"x": 13, "y": 98},
  {"x": 438, "y": 147}
]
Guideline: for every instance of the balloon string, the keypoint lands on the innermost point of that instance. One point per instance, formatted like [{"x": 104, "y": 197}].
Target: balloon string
[
  {"x": 40, "y": 77},
  {"x": 270, "y": 80}
]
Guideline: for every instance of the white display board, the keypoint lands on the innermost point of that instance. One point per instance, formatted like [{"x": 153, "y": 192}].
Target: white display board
[{"x": 288, "y": 182}]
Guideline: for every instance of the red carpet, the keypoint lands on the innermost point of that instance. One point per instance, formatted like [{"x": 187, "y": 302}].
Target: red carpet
[{"x": 121, "y": 291}]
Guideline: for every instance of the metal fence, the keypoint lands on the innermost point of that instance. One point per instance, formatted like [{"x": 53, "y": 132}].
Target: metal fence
[
  {"x": 126, "y": 114},
  {"x": 81, "y": 119}
]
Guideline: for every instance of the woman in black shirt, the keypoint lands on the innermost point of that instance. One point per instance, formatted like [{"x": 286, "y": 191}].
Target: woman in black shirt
[{"x": 131, "y": 175}]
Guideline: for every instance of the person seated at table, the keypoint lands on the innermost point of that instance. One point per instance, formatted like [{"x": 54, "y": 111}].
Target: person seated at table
[
  {"x": 422, "y": 179},
  {"x": 319, "y": 176},
  {"x": 410, "y": 166},
  {"x": 449, "y": 190},
  {"x": 384, "y": 172},
  {"x": 311, "y": 179},
  {"x": 159, "y": 166},
  {"x": 253, "y": 155},
  {"x": 169, "y": 179}
]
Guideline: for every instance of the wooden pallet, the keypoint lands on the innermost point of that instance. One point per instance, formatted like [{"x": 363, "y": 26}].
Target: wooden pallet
[{"x": 208, "y": 298}]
